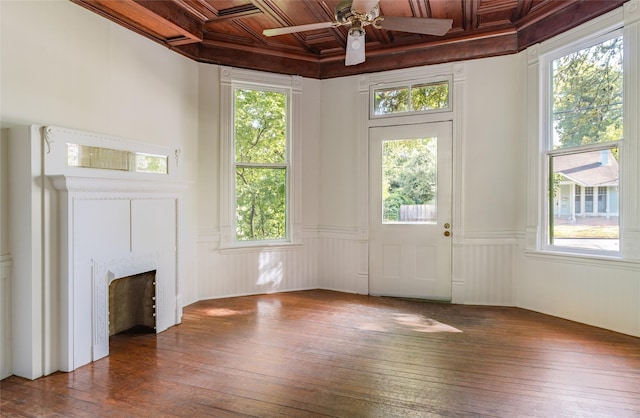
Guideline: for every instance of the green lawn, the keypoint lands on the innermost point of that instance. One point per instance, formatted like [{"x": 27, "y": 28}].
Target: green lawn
[{"x": 585, "y": 231}]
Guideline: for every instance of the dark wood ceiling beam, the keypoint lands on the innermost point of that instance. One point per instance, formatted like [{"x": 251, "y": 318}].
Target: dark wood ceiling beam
[
  {"x": 416, "y": 10},
  {"x": 175, "y": 17},
  {"x": 558, "y": 22},
  {"x": 250, "y": 49},
  {"x": 496, "y": 6},
  {"x": 521, "y": 10},
  {"x": 237, "y": 12},
  {"x": 470, "y": 15},
  {"x": 271, "y": 8},
  {"x": 258, "y": 60},
  {"x": 145, "y": 22},
  {"x": 188, "y": 5},
  {"x": 228, "y": 32},
  {"x": 466, "y": 49}
]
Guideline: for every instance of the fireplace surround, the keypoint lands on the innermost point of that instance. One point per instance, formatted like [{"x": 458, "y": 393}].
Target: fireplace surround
[
  {"x": 77, "y": 229},
  {"x": 112, "y": 225}
]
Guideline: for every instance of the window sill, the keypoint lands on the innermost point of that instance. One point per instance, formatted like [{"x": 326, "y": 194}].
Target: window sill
[
  {"x": 600, "y": 260},
  {"x": 259, "y": 247}
]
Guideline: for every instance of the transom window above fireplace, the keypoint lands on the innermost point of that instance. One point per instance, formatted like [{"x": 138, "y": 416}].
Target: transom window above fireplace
[{"x": 87, "y": 156}]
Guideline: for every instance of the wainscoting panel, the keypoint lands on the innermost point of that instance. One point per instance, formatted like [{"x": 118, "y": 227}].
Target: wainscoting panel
[
  {"x": 343, "y": 261},
  {"x": 484, "y": 270},
  {"x": 327, "y": 258},
  {"x": 335, "y": 258},
  {"x": 6, "y": 365},
  {"x": 255, "y": 270},
  {"x": 599, "y": 292}
]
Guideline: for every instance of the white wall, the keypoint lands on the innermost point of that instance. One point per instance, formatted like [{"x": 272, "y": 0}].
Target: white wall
[
  {"x": 72, "y": 68},
  {"x": 338, "y": 153},
  {"x": 5, "y": 261},
  {"x": 231, "y": 272},
  {"x": 491, "y": 191},
  {"x": 69, "y": 67},
  {"x": 488, "y": 169},
  {"x": 491, "y": 196},
  {"x": 4, "y": 191},
  {"x": 493, "y": 167},
  {"x": 600, "y": 291}
]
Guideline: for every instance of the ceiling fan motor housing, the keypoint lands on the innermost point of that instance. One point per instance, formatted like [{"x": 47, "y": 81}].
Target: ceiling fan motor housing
[{"x": 345, "y": 15}]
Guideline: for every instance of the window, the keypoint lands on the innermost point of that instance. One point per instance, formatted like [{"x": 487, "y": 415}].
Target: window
[
  {"x": 588, "y": 199},
  {"x": 602, "y": 200},
  {"x": 260, "y": 196},
  {"x": 424, "y": 97},
  {"x": 87, "y": 156},
  {"x": 409, "y": 180},
  {"x": 584, "y": 133},
  {"x": 260, "y": 149}
]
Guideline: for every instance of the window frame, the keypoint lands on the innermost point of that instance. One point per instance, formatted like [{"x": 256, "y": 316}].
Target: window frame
[
  {"x": 284, "y": 165},
  {"x": 549, "y": 201},
  {"x": 409, "y": 84},
  {"x": 546, "y": 134},
  {"x": 292, "y": 86}
]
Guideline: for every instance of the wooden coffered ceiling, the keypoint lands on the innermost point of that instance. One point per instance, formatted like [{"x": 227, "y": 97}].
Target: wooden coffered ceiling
[{"x": 229, "y": 32}]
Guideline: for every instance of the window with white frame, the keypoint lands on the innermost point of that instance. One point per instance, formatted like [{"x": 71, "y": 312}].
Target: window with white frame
[
  {"x": 410, "y": 98},
  {"x": 260, "y": 192},
  {"x": 260, "y": 163},
  {"x": 582, "y": 145}
]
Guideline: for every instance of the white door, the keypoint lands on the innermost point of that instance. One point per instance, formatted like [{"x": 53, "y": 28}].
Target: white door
[{"x": 410, "y": 174}]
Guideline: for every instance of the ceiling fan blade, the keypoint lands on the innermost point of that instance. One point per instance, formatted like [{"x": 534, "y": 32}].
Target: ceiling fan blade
[
  {"x": 355, "y": 50},
  {"x": 425, "y": 26},
  {"x": 363, "y": 6},
  {"x": 299, "y": 28}
]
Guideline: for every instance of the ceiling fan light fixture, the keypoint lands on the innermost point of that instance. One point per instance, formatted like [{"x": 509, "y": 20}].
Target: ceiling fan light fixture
[
  {"x": 355, "y": 50},
  {"x": 357, "y": 14}
]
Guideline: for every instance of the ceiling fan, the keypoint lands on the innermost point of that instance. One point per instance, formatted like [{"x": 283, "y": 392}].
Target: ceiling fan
[{"x": 359, "y": 13}]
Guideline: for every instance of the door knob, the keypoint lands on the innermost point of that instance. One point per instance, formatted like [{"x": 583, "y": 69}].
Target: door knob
[{"x": 447, "y": 233}]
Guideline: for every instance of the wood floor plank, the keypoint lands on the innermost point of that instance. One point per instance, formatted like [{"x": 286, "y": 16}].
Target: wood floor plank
[{"x": 329, "y": 354}]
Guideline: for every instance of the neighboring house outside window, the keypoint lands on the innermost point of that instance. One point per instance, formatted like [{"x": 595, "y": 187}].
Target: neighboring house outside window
[{"x": 582, "y": 175}]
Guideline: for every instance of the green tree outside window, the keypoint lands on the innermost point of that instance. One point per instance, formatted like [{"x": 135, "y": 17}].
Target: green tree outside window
[{"x": 261, "y": 164}]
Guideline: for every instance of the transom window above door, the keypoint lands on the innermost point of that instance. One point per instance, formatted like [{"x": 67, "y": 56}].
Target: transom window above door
[{"x": 410, "y": 98}]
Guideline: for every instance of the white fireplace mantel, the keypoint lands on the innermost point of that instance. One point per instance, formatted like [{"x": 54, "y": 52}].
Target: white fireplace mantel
[
  {"x": 94, "y": 184},
  {"x": 75, "y": 227},
  {"x": 112, "y": 227}
]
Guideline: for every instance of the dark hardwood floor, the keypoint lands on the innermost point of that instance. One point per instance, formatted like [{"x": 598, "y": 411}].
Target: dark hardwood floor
[{"x": 321, "y": 353}]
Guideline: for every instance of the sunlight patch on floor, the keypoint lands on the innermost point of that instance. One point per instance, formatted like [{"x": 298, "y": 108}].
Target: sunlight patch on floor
[
  {"x": 221, "y": 312},
  {"x": 413, "y": 322},
  {"x": 420, "y": 323}
]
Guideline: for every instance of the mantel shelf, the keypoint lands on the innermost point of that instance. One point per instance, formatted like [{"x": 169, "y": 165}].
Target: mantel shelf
[{"x": 116, "y": 185}]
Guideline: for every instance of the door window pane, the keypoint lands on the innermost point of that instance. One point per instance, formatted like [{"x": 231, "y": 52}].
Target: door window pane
[{"x": 409, "y": 180}]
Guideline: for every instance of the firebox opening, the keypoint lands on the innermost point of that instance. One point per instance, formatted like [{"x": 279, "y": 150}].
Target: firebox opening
[{"x": 132, "y": 304}]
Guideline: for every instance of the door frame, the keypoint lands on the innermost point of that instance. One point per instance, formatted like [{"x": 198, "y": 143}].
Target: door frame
[
  {"x": 455, "y": 115},
  {"x": 409, "y": 237}
]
